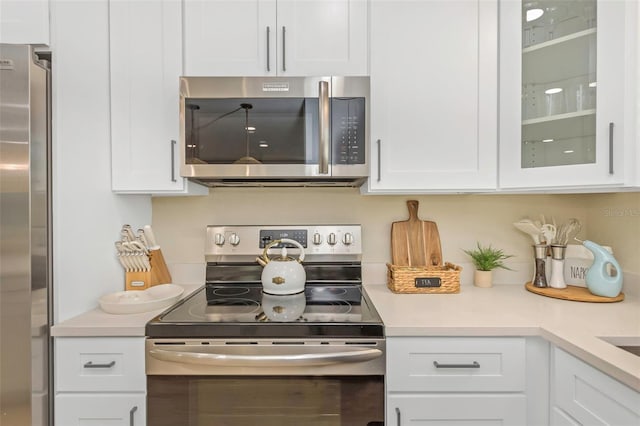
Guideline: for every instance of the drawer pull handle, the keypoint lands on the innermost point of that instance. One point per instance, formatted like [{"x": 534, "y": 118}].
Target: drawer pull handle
[
  {"x": 90, "y": 364},
  {"x": 475, "y": 364},
  {"x": 131, "y": 413},
  {"x": 399, "y": 419}
]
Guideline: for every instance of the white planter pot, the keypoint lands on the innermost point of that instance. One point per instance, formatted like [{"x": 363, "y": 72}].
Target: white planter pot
[{"x": 483, "y": 279}]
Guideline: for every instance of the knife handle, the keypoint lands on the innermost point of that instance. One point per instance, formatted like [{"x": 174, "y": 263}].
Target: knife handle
[{"x": 151, "y": 238}]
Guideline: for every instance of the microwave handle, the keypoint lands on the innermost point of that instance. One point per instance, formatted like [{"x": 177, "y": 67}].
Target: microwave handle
[{"x": 323, "y": 126}]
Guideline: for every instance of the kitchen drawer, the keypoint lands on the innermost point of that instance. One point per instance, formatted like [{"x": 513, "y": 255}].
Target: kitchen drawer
[
  {"x": 104, "y": 364},
  {"x": 100, "y": 409},
  {"x": 452, "y": 409},
  {"x": 589, "y": 396},
  {"x": 449, "y": 364}
]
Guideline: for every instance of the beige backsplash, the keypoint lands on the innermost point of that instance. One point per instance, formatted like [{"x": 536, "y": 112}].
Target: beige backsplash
[{"x": 610, "y": 219}]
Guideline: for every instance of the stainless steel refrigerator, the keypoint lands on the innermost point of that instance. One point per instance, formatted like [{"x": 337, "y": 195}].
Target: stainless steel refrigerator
[{"x": 25, "y": 236}]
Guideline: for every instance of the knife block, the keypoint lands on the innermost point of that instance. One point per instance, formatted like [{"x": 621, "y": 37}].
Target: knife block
[{"x": 158, "y": 274}]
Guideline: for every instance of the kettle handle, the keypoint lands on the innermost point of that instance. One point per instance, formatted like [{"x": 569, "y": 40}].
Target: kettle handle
[{"x": 265, "y": 256}]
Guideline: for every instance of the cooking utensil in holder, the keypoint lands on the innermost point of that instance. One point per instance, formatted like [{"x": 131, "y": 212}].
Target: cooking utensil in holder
[{"x": 157, "y": 274}]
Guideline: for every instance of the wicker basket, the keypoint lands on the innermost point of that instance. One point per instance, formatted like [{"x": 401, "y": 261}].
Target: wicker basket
[{"x": 423, "y": 279}]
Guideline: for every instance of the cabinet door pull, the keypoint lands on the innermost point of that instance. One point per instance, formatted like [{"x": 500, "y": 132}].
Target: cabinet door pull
[
  {"x": 475, "y": 364},
  {"x": 324, "y": 126},
  {"x": 284, "y": 48},
  {"x": 399, "y": 420},
  {"x": 90, "y": 364},
  {"x": 379, "y": 161},
  {"x": 131, "y": 413},
  {"x": 268, "y": 50},
  {"x": 610, "y": 148},
  {"x": 173, "y": 161}
]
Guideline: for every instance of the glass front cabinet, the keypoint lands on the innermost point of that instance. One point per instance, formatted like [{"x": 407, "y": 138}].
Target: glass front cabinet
[{"x": 567, "y": 93}]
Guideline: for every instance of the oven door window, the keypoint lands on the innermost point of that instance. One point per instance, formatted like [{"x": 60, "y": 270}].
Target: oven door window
[
  {"x": 265, "y": 401},
  {"x": 251, "y": 131}
]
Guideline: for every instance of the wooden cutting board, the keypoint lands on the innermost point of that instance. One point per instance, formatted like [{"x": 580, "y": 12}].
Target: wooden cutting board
[{"x": 415, "y": 242}]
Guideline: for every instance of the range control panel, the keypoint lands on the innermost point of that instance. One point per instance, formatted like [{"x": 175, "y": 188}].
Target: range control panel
[{"x": 316, "y": 239}]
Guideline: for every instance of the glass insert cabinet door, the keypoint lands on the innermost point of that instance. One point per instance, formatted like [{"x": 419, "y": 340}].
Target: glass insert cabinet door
[
  {"x": 559, "y": 82},
  {"x": 559, "y": 56}
]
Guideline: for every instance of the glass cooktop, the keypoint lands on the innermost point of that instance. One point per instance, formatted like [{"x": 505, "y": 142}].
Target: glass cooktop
[{"x": 246, "y": 311}]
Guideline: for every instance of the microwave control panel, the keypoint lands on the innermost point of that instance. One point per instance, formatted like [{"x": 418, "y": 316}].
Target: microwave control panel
[{"x": 347, "y": 130}]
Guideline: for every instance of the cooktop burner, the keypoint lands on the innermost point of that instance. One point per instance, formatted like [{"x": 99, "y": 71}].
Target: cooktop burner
[{"x": 246, "y": 311}]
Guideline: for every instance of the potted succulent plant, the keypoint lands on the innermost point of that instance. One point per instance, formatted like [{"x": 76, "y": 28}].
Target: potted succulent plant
[{"x": 486, "y": 259}]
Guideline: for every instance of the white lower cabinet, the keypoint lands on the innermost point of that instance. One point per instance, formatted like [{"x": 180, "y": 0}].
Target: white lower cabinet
[
  {"x": 100, "y": 381},
  {"x": 482, "y": 409},
  {"x": 100, "y": 409},
  {"x": 457, "y": 380},
  {"x": 583, "y": 395}
]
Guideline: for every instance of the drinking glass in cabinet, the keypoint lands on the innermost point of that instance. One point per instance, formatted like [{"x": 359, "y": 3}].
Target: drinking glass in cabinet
[
  {"x": 554, "y": 97},
  {"x": 581, "y": 94}
]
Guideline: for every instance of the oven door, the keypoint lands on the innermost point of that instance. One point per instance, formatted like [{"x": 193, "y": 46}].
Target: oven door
[{"x": 268, "y": 383}]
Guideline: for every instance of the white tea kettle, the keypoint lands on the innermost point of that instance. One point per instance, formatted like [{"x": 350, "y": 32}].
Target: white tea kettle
[{"x": 284, "y": 274}]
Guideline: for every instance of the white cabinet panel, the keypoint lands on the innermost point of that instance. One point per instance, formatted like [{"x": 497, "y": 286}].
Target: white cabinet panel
[
  {"x": 456, "y": 410},
  {"x": 100, "y": 410},
  {"x": 590, "y": 396},
  {"x": 229, "y": 37},
  {"x": 99, "y": 364},
  {"x": 449, "y": 364},
  {"x": 145, "y": 59},
  {"x": 24, "y": 21},
  {"x": 560, "y": 418},
  {"x": 588, "y": 139},
  {"x": 275, "y": 37},
  {"x": 100, "y": 381},
  {"x": 433, "y": 67},
  {"x": 481, "y": 381},
  {"x": 327, "y": 37}
]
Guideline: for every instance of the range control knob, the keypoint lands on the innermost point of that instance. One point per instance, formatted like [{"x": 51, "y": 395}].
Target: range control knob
[
  {"x": 234, "y": 239},
  {"x": 219, "y": 239},
  {"x": 331, "y": 239},
  {"x": 347, "y": 239},
  {"x": 317, "y": 239}
]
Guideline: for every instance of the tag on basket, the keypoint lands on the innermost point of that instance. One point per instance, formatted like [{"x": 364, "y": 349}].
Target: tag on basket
[{"x": 427, "y": 282}]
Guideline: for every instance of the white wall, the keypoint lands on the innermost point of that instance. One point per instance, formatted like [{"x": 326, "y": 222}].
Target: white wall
[
  {"x": 614, "y": 220},
  {"x": 462, "y": 220},
  {"x": 87, "y": 215}
]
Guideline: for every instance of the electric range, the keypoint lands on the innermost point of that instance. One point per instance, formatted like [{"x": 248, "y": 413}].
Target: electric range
[{"x": 232, "y": 303}]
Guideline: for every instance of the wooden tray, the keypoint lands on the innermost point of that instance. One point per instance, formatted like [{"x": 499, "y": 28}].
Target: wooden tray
[{"x": 577, "y": 294}]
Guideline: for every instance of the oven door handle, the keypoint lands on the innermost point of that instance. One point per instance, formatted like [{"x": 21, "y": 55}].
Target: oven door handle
[{"x": 280, "y": 360}]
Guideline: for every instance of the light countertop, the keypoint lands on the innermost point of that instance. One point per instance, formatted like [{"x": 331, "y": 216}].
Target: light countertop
[
  {"x": 503, "y": 310},
  {"x": 510, "y": 310},
  {"x": 98, "y": 323}
]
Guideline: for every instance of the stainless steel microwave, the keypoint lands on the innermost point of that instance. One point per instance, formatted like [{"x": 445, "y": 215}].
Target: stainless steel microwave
[{"x": 274, "y": 131}]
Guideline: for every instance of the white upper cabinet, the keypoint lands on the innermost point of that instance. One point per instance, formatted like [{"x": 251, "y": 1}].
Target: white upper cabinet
[
  {"x": 567, "y": 94},
  {"x": 433, "y": 67},
  {"x": 145, "y": 57},
  {"x": 275, "y": 37},
  {"x": 24, "y": 21}
]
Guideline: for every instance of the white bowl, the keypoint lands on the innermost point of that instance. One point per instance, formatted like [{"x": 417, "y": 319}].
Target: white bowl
[{"x": 136, "y": 301}]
